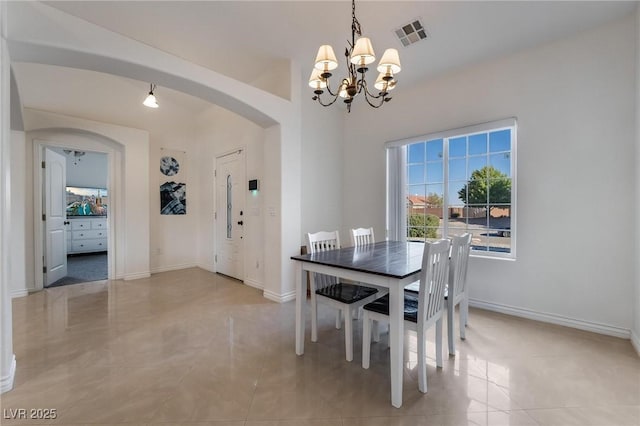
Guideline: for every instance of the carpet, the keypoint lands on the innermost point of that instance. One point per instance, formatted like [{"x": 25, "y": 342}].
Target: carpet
[{"x": 83, "y": 268}]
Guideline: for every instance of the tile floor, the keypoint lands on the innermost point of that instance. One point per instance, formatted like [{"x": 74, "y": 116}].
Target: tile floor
[{"x": 194, "y": 348}]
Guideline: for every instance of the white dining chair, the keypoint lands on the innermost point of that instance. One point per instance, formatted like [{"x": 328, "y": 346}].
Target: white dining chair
[
  {"x": 345, "y": 297},
  {"x": 457, "y": 293},
  {"x": 362, "y": 236},
  {"x": 421, "y": 310}
]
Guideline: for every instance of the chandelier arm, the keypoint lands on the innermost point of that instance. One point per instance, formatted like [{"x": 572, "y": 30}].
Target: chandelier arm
[
  {"x": 368, "y": 94},
  {"x": 331, "y": 91},
  {"x": 335, "y": 98}
]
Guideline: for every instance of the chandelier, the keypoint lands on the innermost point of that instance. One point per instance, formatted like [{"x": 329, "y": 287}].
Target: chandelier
[{"x": 359, "y": 54}]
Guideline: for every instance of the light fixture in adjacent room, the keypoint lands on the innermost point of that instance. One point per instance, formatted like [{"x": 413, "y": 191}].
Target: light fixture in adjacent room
[
  {"x": 75, "y": 154},
  {"x": 151, "y": 101},
  {"x": 359, "y": 54}
]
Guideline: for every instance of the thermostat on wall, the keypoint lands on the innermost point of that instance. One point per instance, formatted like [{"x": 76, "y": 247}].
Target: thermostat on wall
[{"x": 253, "y": 185}]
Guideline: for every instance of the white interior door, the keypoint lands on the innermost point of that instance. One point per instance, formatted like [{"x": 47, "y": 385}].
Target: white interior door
[
  {"x": 55, "y": 183},
  {"x": 231, "y": 189}
]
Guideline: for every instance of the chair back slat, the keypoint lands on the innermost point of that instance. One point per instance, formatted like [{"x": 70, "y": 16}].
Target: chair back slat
[
  {"x": 433, "y": 279},
  {"x": 362, "y": 236},
  {"x": 460, "y": 248},
  {"x": 323, "y": 241}
]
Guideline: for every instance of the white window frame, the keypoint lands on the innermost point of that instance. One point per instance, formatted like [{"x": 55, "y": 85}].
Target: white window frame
[{"x": 396, "y": 180}]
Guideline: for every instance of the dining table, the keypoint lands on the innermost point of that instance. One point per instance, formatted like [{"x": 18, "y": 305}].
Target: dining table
[{"x": 389, "y": 264}]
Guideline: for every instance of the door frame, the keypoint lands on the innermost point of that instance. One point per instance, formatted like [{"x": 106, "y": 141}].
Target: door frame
[
  {"x": 243, "y": 149},
  {"x": 113, "y": 184}
]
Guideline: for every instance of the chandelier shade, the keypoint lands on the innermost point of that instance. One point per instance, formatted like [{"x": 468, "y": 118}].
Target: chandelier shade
[
  {"x": 363, "y": 52},
  {"x": 390, "y": 62},
  {"x": 316, "y": 81},
  {"x": 326, "y": 59},
  {"x": 358, "y": 54}
]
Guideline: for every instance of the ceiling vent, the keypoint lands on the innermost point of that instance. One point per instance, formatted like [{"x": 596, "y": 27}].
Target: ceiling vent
[{"x": 411, "y": 33}]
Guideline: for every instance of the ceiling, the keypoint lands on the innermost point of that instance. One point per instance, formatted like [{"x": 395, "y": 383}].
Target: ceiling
[{"x": 242, "y": 39}]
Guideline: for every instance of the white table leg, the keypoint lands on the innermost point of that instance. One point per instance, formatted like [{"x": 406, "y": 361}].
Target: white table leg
[
  {"x": 301, "y": 300},
  {"x": 396, "y": 337}
]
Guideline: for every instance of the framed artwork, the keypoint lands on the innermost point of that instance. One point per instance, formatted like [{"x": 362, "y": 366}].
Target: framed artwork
[{"x": 173, "y": 189}]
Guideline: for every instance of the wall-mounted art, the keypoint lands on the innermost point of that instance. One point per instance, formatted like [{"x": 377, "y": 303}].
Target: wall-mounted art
[{"x": 173, "y": 189}]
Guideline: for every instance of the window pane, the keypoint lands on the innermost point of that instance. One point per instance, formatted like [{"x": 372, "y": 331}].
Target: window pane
[
  {"x": 500, "y": 141},
  {"x": 477, "y": 218},
  {"x": 435, "y": 172},
  {"x": 458, "y": 169},
  {"x": 434, "y": 150},
  {"x": 501, "y": 162},
  {"x": 415, "y": 174},
  {"x": 456, "y": 229},
  {"x": 457, "y": 195},
  {"x": 499, "y": 191},
  {"x": 435, "y": 193},
  {"x": 416, "y": 199},
  {"x": 476, "y": 163},
  {"x": 418, "y": 190},
  {"x": 478, "y": 144},
  {"x": 499, "y": 241},
  {"x": 458, "y": 147},
  {"x": 500, "y": 220},
  {"x": 415, "y": 153},
  {"x": 434, "y": 233}
]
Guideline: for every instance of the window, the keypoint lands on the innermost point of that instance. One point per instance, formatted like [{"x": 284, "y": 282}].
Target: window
[{"x": 454, "y": 182}]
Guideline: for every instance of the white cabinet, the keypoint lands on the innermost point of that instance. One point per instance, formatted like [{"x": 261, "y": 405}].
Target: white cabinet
[{"x": 86, "y": 234}]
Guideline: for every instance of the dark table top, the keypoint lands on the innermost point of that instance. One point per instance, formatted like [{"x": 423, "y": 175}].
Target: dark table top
[{"x": 388, "y": 258}]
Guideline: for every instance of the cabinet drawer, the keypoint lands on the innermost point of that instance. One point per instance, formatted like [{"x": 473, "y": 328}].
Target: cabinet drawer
[
  {"x": 80, "y": 224},
  {"x": 99, "y": 224},
  {"x": 89, "y": 245},
  {"x": 88, "y": 234}
]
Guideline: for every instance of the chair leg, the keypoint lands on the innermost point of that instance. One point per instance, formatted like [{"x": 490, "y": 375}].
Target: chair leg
[
  {"x": 464, "y": 313},
  {"x": 422, "y": 361},
  {"x": 376, "y": 331},
  {"x": 338, "y": 319},
  {"x": 314, "y": 318},
  {"x": 439, "y": 342},
  {"x": 450, "y": 314},
  {"x": 348, "y": 333},
  {"x": 366, "y": 340}
]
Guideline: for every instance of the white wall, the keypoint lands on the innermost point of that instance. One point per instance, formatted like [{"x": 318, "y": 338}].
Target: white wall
[
  {"x": 220, "y": 131},
  {"x": 574, "y": 101},
  {"x": 172, "y": 236},
  {"x": 18, "y": 282},
  {"x": 322, "y": 157}
]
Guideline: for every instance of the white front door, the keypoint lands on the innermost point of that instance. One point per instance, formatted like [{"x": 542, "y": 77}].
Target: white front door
[
  {"x": 231, "y": 190},
  {"x": 55, "y": 211}
]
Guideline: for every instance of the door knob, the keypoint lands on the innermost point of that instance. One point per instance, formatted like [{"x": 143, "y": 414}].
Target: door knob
[
  {"x": 66, "y": 222},
  {"x": 240, "y": 222}
]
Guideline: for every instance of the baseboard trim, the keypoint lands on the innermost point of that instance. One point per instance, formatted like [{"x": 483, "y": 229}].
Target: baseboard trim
[
  {"x": 6, "y": 381},
  {"x": 173, "y": 268},
  {"x": 553, "y": 319},
  {"x": 254, "y": 284},
  {"x": 635, "y": 341},
  {"x": 280, "y": 298},
  {"x": 136, "y": 276},
  {"x": 19, "y": 293}
]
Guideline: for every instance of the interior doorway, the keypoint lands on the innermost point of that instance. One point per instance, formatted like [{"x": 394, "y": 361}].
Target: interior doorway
[{"x": 75, "y": 216}]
